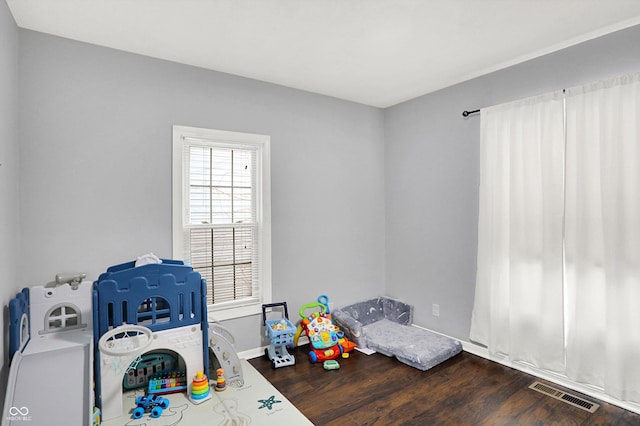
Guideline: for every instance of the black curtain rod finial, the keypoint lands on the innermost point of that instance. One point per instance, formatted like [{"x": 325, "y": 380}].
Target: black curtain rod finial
[{"x": 467, "y": 113}]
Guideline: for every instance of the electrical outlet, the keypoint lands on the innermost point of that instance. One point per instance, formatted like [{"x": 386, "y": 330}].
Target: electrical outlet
[{"x": 435, "y": 310}]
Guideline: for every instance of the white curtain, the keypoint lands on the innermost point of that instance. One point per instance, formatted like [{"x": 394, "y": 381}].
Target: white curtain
[
  {"x": 602, "y": 238},
  {"x": 518, "y": 310}
]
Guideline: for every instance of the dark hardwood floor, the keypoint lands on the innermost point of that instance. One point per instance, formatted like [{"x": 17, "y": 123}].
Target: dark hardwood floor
[{"x": 465, "y": 390}]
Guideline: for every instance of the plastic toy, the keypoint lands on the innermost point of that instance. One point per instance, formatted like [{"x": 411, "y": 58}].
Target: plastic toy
[
  {"x": 163, "y": 307},
  {"x": 280, "y": 332},
  {"x": 170, "y": 382},
  {"x": 154, "y": 403},
  {"x": 200, "y": 391},
  {"x": 50, "y": 342},
  {"x": 221, "y": 342},
  {"x": 95, "y": 417},
  {"x": 170, "y": 300},
  {"x": 331, "y": 365},
  {"x": 327, "y": 341},
  {"x": 221, "y": 383},
  {"x": 150, "y": 366}
]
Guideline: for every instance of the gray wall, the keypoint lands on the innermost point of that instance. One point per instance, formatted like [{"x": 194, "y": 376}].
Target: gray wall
[
  {"x": 432, "y": 174},
  {"x": 9, "y": 195},
  {"x": 96, "y": 169}
]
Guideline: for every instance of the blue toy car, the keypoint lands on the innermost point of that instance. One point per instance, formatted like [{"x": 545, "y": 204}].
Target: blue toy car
[{"x": 152, "y": 402}]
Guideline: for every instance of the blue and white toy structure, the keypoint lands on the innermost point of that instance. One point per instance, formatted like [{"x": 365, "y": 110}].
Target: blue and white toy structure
[
  {"x": 168, "y": 298},
  {"x": 57, "y": 328},
  {"x": 50, "y": 341},
  {"x": 53, "y": 329}
]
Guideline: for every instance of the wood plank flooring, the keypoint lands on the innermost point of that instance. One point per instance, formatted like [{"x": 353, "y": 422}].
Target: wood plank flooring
[{"x": 465, "y": 390}]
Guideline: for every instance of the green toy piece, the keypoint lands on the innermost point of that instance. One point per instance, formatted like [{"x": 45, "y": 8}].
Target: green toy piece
[{"x": 331, "y": 364}]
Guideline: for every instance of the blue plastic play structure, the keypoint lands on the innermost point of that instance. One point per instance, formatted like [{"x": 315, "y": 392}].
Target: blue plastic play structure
[
  {"x": 50, "y": 336},
  {"x": 53, "y": 328},
  {"x": 169, "y": 298},
  {"x": 19, "y": 322}
]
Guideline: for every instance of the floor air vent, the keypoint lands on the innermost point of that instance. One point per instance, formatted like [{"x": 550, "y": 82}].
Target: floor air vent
[{"x": 565, "y": 397}]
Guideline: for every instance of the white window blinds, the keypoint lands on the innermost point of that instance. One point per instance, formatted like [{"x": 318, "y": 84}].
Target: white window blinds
[
  {"x": 222, "y": 209},
  {"x": 222, "y": 224}
]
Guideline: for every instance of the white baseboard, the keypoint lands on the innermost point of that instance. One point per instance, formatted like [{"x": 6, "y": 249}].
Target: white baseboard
[
  {"x": 252, "y": 353},
  {"x": 558, "y": 379},
  {"x": 258, "y": 352}
]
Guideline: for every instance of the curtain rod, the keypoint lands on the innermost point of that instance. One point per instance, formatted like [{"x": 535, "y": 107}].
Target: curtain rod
[{"x": 467, "y": 113}]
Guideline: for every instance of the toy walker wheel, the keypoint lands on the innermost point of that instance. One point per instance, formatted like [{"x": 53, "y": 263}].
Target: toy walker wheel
[
  {"x": 313, "y": 357},
  {"x": 273, "y": 364},
  {"x": 266, "y": 353},
  {"x": 156, "y": 411},
  {"x": 138, "y": 413}
]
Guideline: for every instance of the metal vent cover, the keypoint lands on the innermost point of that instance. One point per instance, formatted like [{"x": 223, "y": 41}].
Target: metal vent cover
[{"x": 565, "y": 397}]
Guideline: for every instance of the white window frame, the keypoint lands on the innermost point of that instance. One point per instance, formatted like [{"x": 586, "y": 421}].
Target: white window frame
[{"x": 226, "y": 310}]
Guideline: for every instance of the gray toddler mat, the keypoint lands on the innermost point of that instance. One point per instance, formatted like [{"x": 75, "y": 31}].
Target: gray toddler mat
[
  {"x": 384, "y": 325},
  {"x": 413, "y": 346}
]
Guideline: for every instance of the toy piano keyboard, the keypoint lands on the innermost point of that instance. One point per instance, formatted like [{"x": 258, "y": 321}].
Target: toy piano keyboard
[
  {"x": 175, "y": 381},
  {"x": 150, "y": 365}
]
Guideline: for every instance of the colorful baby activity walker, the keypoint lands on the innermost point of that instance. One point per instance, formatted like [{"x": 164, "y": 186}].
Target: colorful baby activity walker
[{"x": 327, "y": 340}]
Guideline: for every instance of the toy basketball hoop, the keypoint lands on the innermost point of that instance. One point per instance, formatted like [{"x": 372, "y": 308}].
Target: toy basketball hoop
[{"x": 124, "y": 346}]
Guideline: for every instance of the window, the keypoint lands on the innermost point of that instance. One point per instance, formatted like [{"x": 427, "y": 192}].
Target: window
[
  {"x": 62, "y": 317},
  {"x": 153, "y": 310},
  {"x": 221, "y": 216}
]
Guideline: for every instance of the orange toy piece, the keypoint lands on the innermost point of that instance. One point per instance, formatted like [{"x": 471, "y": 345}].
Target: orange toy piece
[{"x": 347, "y": 345}]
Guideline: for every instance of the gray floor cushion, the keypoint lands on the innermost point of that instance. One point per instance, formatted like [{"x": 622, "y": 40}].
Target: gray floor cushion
[{"x": 414, "y": 346}]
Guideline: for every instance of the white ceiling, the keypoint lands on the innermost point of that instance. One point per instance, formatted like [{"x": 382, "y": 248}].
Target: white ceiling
[{"x": 376, "y": 52}]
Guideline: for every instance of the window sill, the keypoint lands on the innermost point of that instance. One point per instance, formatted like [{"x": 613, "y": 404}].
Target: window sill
[{"x": 232, "y": 312}]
